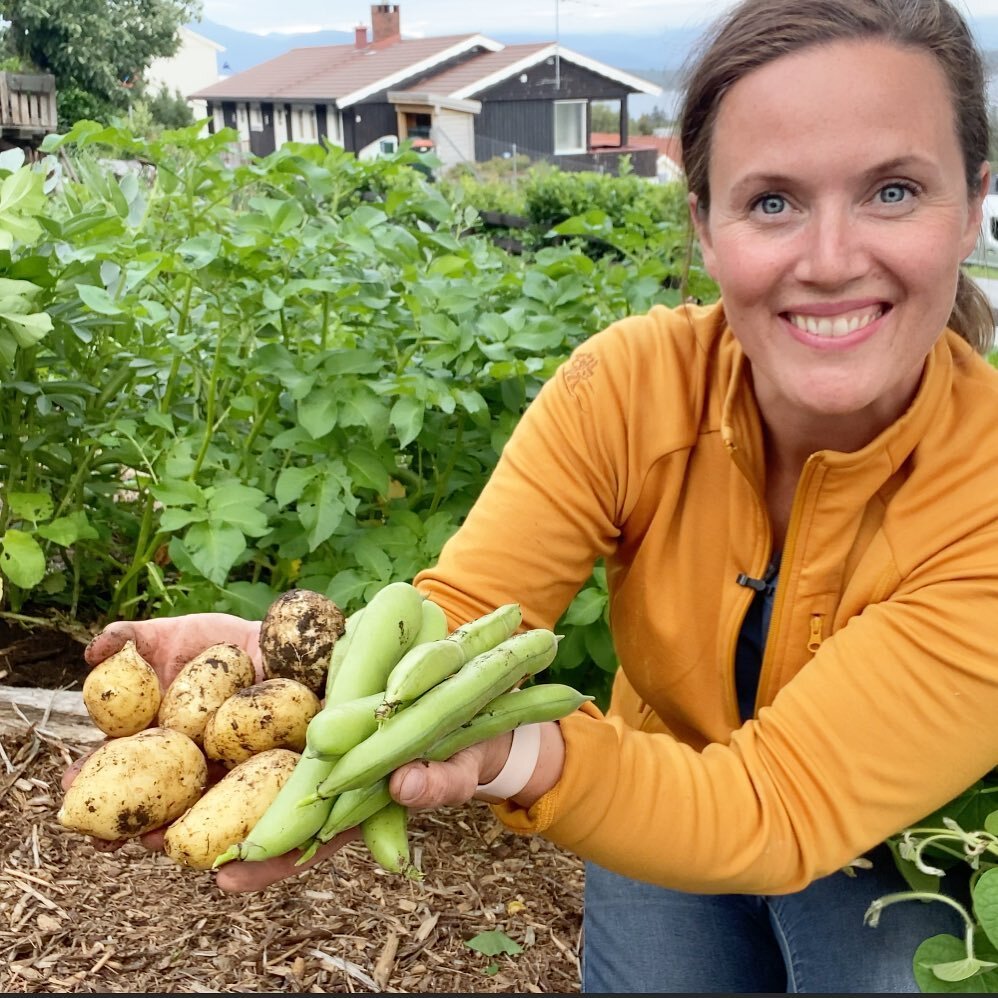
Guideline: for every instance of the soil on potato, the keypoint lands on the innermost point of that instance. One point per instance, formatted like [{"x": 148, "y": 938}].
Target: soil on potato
[{"x": 74, "y": 919}]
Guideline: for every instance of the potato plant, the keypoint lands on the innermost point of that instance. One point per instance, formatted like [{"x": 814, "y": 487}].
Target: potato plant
[{"x": 221, "y": 374}]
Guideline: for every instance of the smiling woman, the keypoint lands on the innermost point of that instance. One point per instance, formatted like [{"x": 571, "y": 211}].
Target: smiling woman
[{"x": 793, "y": 494}]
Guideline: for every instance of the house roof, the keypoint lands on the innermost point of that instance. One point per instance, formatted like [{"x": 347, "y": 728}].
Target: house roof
[
  {"x": 342, "y": 74},
  {"x": 346, "y": 74}
]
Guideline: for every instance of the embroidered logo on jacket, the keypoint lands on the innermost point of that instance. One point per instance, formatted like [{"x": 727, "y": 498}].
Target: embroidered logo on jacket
[{"x": 577, "y": 373}]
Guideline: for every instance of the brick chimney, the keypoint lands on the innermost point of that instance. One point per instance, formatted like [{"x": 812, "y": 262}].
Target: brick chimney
[
  {"x": 385, "y": 21},
  {"x": 360, "y": 36}
]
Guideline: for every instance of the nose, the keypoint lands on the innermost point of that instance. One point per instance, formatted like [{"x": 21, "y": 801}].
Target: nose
[{"x": 832, "y": 251}]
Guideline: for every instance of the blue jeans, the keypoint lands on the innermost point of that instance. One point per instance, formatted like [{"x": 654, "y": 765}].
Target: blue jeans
[{"x": 646, "y": 939}]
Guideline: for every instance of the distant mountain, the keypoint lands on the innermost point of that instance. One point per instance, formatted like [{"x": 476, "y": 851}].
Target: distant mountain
[
  {"x": 666, "y": 50},
  {"x": 656, "y": 57}
]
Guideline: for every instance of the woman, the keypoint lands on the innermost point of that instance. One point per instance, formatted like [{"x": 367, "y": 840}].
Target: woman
[{"x": 794, "y": 492}]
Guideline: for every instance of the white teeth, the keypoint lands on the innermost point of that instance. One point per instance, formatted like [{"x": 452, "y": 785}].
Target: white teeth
[{"x": 840, "y": 326}]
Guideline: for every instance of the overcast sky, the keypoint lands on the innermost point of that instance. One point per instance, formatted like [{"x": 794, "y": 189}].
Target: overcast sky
[
  {"x": 540, "y": 17},
  {"x": 439, "y": 17}
]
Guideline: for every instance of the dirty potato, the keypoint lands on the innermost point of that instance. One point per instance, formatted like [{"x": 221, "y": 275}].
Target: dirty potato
[
  {"x": 122, "y": 693},
  {"x": 297, "y": 636},
  {"x": 270, "y": 714},
  {"x": 228, "y": 811},
  {"x": 202, "y": 686},
  {"x": 133, "y": 784}
]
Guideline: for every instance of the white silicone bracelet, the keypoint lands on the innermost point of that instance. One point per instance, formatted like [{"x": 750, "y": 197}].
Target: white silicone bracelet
[{"x": 519, "y": 766}]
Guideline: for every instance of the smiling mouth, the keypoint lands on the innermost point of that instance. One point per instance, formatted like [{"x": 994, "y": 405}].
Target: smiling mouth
[{"x": 837, "y": 325}]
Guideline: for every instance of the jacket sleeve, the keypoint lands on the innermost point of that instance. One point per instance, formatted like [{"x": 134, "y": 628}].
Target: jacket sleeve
[{"x": 892, "y": 718}]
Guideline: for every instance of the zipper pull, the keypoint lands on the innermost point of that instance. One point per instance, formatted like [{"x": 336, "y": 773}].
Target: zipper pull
[{"x": 816, "y": 637}]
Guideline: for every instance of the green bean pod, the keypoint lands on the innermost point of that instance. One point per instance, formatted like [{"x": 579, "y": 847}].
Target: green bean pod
[
  {"x": 542, "y": 702},
  {"x": 340, "y": 649},
  {"x": 385, "y": 631},
  {"x": 434, "y": 625},
  {"x": 348, "y": 811},
  {"x": 352, "y": 807},
  {"x": 386, "y": 836},
  {"x": 339, "y": 726},
  {"x": 283, "y": 826},
  {"x": 485, "y": 632},
  {"x": 419, "y": 670},
  {"x": 407, "y": 734}
]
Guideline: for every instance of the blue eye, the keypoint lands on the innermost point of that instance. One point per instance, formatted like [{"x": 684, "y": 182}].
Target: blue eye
[
  {"x": 771, "y": 204},
  {"x": 894, "y": 193}
]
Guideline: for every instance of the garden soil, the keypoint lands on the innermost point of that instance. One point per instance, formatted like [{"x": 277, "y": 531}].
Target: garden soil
[{"x": 75, "y": 919}]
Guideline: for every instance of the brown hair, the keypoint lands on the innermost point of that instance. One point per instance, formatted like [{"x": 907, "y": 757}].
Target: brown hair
[{"x": 756, "y": 32}]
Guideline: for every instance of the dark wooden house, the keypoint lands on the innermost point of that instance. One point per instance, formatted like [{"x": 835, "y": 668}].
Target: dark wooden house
[{"x": 467, "y": 97}]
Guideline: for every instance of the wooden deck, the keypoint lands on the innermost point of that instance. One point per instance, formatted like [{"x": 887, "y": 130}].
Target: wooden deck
[{"x": 27, "y": 107}]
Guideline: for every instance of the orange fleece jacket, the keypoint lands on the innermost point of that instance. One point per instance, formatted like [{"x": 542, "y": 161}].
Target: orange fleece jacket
[{"x": 878, "y": 696}]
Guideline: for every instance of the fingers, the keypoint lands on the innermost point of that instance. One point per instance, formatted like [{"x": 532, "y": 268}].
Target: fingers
[
  {"x": 110, "y": 640},
  {"x": 423, "y": 784},
  {"x": 239, "y": 877}
]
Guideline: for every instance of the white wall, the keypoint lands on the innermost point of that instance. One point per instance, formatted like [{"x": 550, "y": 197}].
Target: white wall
[
  {"x": 193, "y": 67},
  {"x": 454, "y": 136}
]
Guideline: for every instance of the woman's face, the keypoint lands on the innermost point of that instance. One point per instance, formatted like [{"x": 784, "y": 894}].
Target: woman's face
[{"x": 839, "y": 214}]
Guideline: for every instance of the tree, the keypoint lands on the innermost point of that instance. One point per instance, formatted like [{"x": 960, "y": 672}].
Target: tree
[{"x": 96, "y": 49}]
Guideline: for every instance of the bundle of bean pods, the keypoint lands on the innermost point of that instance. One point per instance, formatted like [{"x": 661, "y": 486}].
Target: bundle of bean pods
[{"x": 400, "y": 688}]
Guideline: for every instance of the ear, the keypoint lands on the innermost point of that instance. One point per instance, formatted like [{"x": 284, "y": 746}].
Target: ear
[
  {"x": 701, "y": 226},
  {"x": 976, "y": 214}
]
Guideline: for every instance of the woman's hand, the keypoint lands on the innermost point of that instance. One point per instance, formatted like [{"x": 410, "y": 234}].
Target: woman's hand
[{"x": 168, "y": 643}]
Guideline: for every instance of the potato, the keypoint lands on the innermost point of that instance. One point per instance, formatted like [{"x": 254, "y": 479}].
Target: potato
[
  {"x": 297, "y": 636},
  {"x": 133, "y": 784},
  {"x": 122, "y": 694},
  {"x": 202, "y": 686},
  {"x": 270, "y": 714},
  {"x": 229, "y": 810}
]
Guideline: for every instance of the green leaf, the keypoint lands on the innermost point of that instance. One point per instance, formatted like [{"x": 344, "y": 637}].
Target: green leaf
[
  {"x": 28, "y": 329},
  {"x": 291, "y": 483},
  {"x": 321, "y": 508},
  {"x": 22, "y": 559},
  {"x": 372, "y": 558},
  {"x": 97, "y": 299},
  {"x": 174, "y": 519},
  {"x": 367, "y": 470},
  {"x": 201, "y": 250},
  {"x": 214, "y": 548},
  {"x": 986, "y": 904},
  {"x": 32, "y": 506},
  {"x": 407, "y": 418},
  {"x": 493, "y": 943},
  {"x": 948, "y": 951},
  {"x": 586, "y": 608},
  {"x": 960, "y": 970},
  {"x": 66, "y": 530},
  {"x": 179, "y": 493},
  {"x": 317, "y": 412}
]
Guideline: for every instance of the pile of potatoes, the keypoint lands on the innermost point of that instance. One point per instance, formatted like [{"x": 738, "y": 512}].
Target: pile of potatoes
[{"x": 153, "y": 770}]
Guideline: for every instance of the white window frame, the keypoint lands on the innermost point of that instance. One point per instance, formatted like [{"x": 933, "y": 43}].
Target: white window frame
[
  {"x": 568, "y": 151},
  {"x": 334, "y": 125}
]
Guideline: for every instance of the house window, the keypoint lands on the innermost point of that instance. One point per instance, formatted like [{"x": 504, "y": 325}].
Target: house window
[
  {"x": 255, "y": 118},
  {"x": 569, "y": 126},
  {"x": 334, "y": 124}
]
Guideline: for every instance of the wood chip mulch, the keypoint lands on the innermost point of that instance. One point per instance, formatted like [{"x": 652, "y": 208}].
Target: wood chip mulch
[{"x": 74, "y": 919}]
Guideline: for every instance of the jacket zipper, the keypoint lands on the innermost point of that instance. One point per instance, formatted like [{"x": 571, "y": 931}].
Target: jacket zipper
[
  {"x": 786, "y": 565},
  {"x": 817, "y": 632}
]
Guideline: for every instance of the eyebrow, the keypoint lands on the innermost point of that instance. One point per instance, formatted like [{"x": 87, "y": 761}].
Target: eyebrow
[{"x": 899, "y": 164}]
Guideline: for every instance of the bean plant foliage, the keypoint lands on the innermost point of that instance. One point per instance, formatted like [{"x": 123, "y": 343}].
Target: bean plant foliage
[{"x": 223, "y": 377}]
